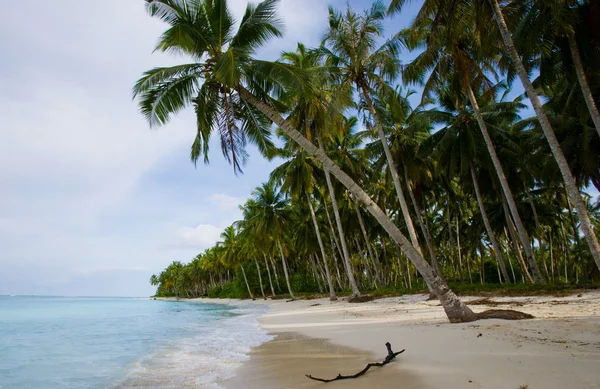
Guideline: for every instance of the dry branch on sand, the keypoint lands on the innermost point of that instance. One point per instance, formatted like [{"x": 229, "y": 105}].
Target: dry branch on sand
[{"x": 390, "y": 357}]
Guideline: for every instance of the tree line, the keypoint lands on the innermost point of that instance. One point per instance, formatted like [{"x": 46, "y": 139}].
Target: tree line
[{"x": 374, "y": 192}]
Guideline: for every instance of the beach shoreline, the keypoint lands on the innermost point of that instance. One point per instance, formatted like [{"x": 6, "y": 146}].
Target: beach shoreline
[{"x": 560, "y": 348}]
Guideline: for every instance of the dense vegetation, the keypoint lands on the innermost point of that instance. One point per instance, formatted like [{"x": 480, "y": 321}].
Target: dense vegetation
[{"x": 374, "y": 194}]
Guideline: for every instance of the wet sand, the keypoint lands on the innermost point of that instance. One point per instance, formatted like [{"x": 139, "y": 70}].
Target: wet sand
[{"x": 284, "y": 362}]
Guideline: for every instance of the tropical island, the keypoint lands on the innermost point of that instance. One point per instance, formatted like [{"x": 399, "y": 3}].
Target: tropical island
[{"x": 463, "y": 170}]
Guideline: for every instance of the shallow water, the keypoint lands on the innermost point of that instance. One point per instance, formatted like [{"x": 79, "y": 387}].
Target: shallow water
[{"x": 119, "y": 343}]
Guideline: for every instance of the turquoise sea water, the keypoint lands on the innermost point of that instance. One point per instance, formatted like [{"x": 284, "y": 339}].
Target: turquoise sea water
[{"x": 119, "y": 343}]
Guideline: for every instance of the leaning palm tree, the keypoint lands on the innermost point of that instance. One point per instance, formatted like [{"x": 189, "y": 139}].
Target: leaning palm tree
[
  {"x": 563, "y": 165},
  {"x": 484, "y": 11},
  {"x": 452, "y": 55},
  {"x": 351, "y": 45},
  {"x": 230, "y": 92}
]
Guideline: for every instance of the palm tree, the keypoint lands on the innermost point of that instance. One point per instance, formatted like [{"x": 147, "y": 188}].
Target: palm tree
[
  {"x": 569, "y": 180},
  {"x": 270, "y": 217},
  {"x": 552, "y": 32},
  {"x": 351, "y": 42},
  {"x": 230, "y": 250},
  {"x": 297, "y": 176},
  {"x": 453, "y": 56},
  {"x": 229, "y": 89}
]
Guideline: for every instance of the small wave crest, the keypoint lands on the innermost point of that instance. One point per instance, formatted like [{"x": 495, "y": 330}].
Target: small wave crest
[{"x": 204, "y": 360}]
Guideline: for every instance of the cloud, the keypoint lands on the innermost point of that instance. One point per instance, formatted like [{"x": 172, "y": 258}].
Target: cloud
[
  {"x": 226, "y": 202},
  {"x": 203, "y": 236}
]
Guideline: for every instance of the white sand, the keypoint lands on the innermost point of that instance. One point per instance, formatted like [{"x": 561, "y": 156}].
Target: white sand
[{"x": 558, "y": 349}]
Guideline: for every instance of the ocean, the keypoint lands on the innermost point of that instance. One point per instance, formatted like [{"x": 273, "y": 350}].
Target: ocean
[{"x": 122, "y": 343}]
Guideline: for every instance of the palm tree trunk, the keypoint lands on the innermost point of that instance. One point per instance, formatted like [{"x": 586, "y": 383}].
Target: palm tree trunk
[
  {"x": 269, "y": 273},
  {"x": 393, "y": 170},
  {"x": 432, "y": 256},
  {"x": 332, "y": 296},
  {"x": 488, "y": 227},
  {"x": 523, "y": 235},
  {"x": 455, "y": 309},
  {"x": 338, "y": 221},
  {"x": 335, "y": 246},
  {"x": 460, "y": 269},
  {"x": 285, "y": 270},
  {"x": 514, "y": 239},
  {"x": 260, "y": 279},
  {"x": 315, "y": 273},
  {"x": 275, "y": 272},
  {"x": 247, "y": 284},
  {"x": 364, "y": 256},
  {"x": 376, "y": 266},
  {"x": 583, "y": 83},
  {"x": 563, "y": 165}
]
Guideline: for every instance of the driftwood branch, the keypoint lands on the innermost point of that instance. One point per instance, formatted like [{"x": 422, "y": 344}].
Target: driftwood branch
[{"x": 390, "y": 357}]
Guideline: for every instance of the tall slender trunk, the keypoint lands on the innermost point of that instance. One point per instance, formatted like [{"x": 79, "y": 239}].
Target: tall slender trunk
[
  {"x": 275, "y": 272},
  {"x": 262, "y": 291},
  {"x": 583, "y": 83},
  {"x": 374, "y": 260},
  {"x": 551, "y": 254},
  {"x": 455, "y": 309},
  {"x": 332, "y": 295},
  {"x": 338, "y": 221},
  {"x": 335, "y": 245},
  {"x": 523, "y": 235},
  {"x": 575, "y": 229},
  {"x": 269, "y": 273},
  {"x": 514, "y": 239},
  {"x": 364, "y": 256},
  {"x": 488, "y": 227},
  {"x": 315, "y": 273},
  {"x": 430, "y": 247},
  {"x": 392, "y": 168},
  {"x": 247, "y": 284},
  {"x": 563, "y": 165},
  {"x": 285, "y": 270},
  {"x": 460, "y": 269}
]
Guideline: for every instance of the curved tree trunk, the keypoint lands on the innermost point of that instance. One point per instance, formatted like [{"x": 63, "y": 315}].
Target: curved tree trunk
[
  {"x": 523, "y": 235},
  {"x": 338, "y": 221},
  {"x": 582, "y": 212},
  {"x": 488, "y": 227},
  {"x": 393, "y": 170},
  {"x": 269, "y": 273},
  {"x": 455, "y": 309},
  {"x": 285, "y": 270},
  {"x": 332, "y": 295},
  {"x": 260, "y": 279},
  {"x": 376, "y": 265},
  {"x": 583, "y": 83},
  {"x": 247, "y": 284},
  {"x": 432, "y": 256}
]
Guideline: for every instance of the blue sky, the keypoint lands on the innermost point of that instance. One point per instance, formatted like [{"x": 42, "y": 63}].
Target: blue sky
[{"x": 92, "y": 202}]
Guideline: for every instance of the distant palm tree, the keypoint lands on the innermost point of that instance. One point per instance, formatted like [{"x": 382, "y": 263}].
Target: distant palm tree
[{"x": 231, "y": 252}]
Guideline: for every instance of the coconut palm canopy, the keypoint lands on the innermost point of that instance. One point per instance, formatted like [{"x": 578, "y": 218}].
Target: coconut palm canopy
[{"x": 373, "y": 193}]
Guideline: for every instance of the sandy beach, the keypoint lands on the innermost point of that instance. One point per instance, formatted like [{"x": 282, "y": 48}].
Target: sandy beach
[{"x": 560, "y": 348}]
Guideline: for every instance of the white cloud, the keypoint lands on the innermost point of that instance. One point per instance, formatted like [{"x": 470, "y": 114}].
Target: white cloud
[
  {"x": 226, "y": 202},
  {"x": 203, "y": 236}
]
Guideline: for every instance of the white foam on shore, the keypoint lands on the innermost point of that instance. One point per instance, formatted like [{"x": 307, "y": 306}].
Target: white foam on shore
[{"x": 205, "y": 360}]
